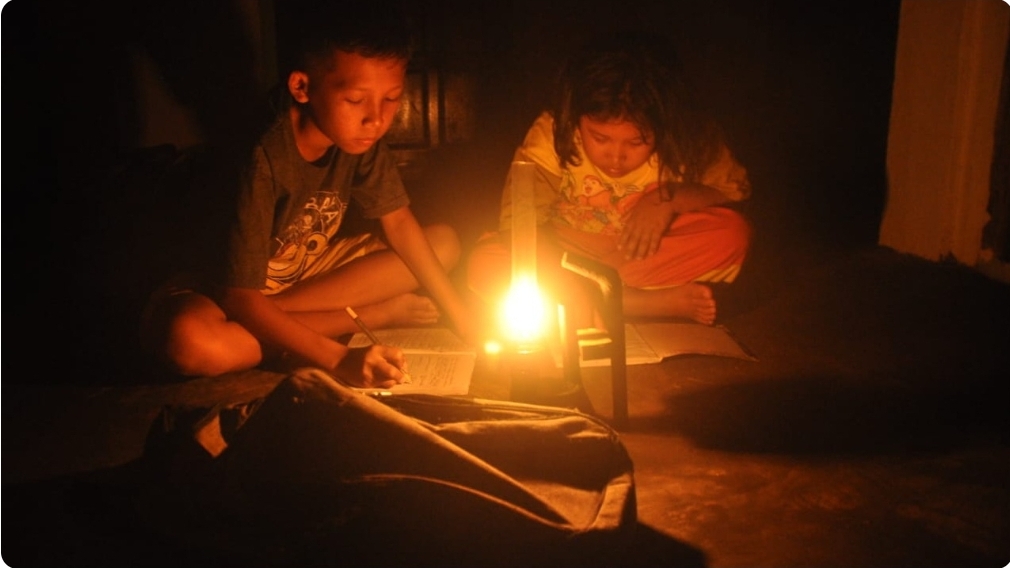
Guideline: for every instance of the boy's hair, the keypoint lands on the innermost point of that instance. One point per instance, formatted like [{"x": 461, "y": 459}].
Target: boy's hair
[
  {"x": 635, "y": 77},
  {"x": 370, "y": 29}
]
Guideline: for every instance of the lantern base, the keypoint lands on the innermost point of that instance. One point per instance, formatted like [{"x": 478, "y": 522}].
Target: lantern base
[{"x": 531, "y": 386}]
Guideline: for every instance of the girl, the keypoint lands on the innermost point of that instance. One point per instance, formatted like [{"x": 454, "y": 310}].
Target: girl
[{"x": 630, "y": 174}]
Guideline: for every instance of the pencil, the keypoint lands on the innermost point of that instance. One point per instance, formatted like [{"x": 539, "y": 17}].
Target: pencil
[
  {"x": 371, "y": 336},
  {"x": 362, "y": 326}
]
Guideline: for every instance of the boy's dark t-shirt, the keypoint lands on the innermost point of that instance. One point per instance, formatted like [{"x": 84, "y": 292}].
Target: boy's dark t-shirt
[{"x": 290, "y": 208}]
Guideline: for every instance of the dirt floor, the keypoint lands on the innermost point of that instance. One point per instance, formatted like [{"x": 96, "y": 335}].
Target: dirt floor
[{"x": 870, "y": 431}]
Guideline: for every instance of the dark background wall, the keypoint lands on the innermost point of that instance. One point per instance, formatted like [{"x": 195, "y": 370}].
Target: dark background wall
[{"x": 803, "y": 89}]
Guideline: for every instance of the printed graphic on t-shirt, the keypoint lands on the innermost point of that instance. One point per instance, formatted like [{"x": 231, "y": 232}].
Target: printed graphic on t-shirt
[
  {"x": 307, "y": 237},
  {"x": 595, "y": 205}
]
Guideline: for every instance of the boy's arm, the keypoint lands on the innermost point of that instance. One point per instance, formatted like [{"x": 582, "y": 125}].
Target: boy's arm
[
  {"x": 377, "y": 366},
  {"x": 406, "y": 237}
]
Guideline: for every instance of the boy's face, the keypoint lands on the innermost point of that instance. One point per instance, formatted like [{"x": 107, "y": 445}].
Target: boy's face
[
  {"x": 617, "y": 147},
  {"x": 352, "y": 101}
]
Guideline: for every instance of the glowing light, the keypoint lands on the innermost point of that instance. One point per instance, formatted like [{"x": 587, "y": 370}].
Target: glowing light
[
  {"x": 492, "y": 347},
  {"x": 524, "y": 312}
]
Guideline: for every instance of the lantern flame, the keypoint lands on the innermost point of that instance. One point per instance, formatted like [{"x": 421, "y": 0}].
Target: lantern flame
[{"x": 524, "y": 313}]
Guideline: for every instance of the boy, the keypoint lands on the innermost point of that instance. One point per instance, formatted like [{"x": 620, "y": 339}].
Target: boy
[{"x": 286, "y": 280}]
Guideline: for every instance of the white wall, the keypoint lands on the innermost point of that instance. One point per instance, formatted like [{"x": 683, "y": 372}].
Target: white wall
[{"x": 948, "y": 70}]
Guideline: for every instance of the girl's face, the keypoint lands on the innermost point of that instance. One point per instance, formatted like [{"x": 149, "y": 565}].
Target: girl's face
[
  {"x": 616, "y": 147},
  {"x": 353, "y": 103}
]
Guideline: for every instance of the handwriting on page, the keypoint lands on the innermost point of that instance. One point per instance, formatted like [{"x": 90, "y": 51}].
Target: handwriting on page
[
  {"x": 438, "y": 361},
  {"x": 437, "y": 371}
]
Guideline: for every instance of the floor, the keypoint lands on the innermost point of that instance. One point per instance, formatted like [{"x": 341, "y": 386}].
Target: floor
[{"x": 870, "y": 431}]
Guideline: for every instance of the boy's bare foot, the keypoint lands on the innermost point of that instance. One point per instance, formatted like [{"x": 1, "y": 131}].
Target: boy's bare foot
[{"x": 401, "y": 311}]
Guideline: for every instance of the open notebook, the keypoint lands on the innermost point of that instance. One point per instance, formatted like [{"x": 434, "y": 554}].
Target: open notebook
[
  {"x": 438, "y": 361},
  {"x": 652, "y": 342}
]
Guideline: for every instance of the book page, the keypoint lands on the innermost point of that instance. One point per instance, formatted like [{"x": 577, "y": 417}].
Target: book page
[
  {"x": 637, "y": 351},
  {"x": 653, "y": 342},
  {"x": 419, "y": 340},
  {"x": 438, "y": 361},
  {"x": 435, "y": 373},
  {"x": 672, "y": 339}
]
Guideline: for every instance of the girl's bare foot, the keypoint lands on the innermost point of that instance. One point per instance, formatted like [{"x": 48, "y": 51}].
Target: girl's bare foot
[
  {"x": 692, "y": 301},
  {"x": 404, "y": 310}
]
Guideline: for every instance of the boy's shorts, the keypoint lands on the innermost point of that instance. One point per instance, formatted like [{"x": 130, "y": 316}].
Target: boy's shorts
[{"x": 338, "y": 253}]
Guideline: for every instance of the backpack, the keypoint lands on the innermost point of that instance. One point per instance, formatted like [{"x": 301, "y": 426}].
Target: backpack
[{"x": 316, "y": 473}]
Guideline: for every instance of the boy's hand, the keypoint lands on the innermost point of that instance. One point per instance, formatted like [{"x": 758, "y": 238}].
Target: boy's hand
[
  {"x": 645, "y": 225},
  {"x": 377, "y": 366}
]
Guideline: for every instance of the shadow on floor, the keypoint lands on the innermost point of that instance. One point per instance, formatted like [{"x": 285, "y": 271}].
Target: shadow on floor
[
  {"x": 870, "y": 352},
  {"x": 830, "y": 415}
]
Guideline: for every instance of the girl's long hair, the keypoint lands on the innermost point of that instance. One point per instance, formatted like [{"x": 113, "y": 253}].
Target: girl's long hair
[{"x": 635, "y": 77}]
